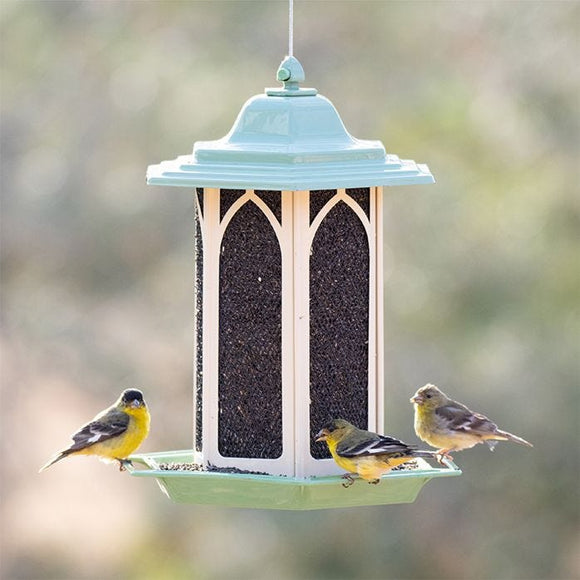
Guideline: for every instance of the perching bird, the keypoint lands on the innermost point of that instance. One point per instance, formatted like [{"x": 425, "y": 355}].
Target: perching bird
[
  {"x": 451, "y": 426},
  {"x": 114, "y": 433},
  {"x": 368, "y": 454}
]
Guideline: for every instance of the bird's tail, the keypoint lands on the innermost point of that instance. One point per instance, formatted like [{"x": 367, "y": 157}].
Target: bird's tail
[
  {"x": 424, "y": 453},
  {"x": 514, "y": 438},
  {"x": 54, "y": 459}
]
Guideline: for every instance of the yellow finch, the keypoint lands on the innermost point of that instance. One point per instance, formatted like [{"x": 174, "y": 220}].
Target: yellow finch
[
  {"x": 368, "y": 454},
  {"x": 114, "y": 433},
  {"x": 451, "y": 426}
]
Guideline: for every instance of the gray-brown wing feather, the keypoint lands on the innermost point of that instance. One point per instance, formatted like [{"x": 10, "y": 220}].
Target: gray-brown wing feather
[
  {"x": 112, "y": 424},
  {"x": 458, "y": 417},
  {"x": 373, "y": 444}
]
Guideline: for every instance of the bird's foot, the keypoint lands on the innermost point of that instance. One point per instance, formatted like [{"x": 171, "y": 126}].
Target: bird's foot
[
  {"x": 375, "y": 481},
  {"x": 349, "y": 480},
  {"x": 443, "y": 454},
  {"x": 123, "y": 464}
]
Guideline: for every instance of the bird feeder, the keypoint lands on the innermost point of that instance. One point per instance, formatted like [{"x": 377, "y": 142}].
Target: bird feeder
[{"x": 288, "y": 304}]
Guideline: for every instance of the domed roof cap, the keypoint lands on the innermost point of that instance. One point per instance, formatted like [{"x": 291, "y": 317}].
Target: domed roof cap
[{"x": 289, "y": 138}]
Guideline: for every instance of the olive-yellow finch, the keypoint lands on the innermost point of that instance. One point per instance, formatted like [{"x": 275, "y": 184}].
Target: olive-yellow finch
[
  {"x": 451, "y": 426},
  {"x": 368, "y": 454},
  {"x": 114, "y": 433}
]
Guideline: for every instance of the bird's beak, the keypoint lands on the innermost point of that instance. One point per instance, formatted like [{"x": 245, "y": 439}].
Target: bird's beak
[
  {"x": 417, "y": 399},
  {"x": 136, "y": 404},
  {"x": 321, "y": 435}
]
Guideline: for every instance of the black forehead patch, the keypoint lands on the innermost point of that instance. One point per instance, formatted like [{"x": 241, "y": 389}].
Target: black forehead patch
[{"x": 132, "y": 395}]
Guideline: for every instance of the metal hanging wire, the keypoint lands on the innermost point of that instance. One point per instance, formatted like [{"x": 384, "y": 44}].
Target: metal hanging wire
[{"x": 290, "y": 27}]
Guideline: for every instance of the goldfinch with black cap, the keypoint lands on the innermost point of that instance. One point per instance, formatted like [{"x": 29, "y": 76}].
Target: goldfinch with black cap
[
  {"x": 445, "y": 423},
  {"x": 114, "y": 433},
  {"x": 365, "y": 453}
]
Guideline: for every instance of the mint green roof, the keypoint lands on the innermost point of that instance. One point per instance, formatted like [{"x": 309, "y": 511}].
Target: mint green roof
[{"x": 289, "y": 138}]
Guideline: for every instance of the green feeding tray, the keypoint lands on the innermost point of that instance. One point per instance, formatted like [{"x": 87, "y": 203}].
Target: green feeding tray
[{"x": 248, "y": 490}]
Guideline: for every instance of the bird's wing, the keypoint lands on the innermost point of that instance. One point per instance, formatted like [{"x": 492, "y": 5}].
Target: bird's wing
[
  {"x": 372, "y": 445},
  {"x": 458, "y": 417},
  {"x": 111, "y": 424}
]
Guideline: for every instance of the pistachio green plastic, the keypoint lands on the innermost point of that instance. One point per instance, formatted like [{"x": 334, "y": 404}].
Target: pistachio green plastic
[
  {"x": 289, "y": 138},
  {"x": 279, "y": 492}
]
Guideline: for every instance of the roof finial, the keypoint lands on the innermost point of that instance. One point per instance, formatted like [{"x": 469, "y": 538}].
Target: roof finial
[{"x": 291, "y": 73}]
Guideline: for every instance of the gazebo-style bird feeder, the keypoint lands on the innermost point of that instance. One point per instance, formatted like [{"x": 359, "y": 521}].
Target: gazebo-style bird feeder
[{"x": 288, "y": 305}]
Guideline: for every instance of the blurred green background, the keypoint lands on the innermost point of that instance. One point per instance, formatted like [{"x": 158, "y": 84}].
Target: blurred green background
[{"x": 482, "y": 275}]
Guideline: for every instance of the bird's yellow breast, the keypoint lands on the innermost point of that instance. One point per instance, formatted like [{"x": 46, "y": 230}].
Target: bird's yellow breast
[
  {"x": 122, "y": 446},
  {"x": 424, "y": 426},
  {"x": 346, "y": 464},
  {"x": 429, "y": 430}
]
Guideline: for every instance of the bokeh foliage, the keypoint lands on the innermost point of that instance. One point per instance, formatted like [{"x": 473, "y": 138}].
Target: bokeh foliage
[{"x": 482, "y": 274}]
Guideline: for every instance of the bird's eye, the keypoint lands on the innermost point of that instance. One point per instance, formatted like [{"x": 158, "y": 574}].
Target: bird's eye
[{"x": 429, "y": 396}]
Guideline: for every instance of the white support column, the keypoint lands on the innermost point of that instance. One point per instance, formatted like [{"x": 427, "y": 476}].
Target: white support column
[
  {"x": 210, "y": 324},
  {"x": 304, "y": 463},
  {"x": 373, "y": 405},
  {"x": 377, "y": 220},
  {"x": 287, "y": 461}
]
